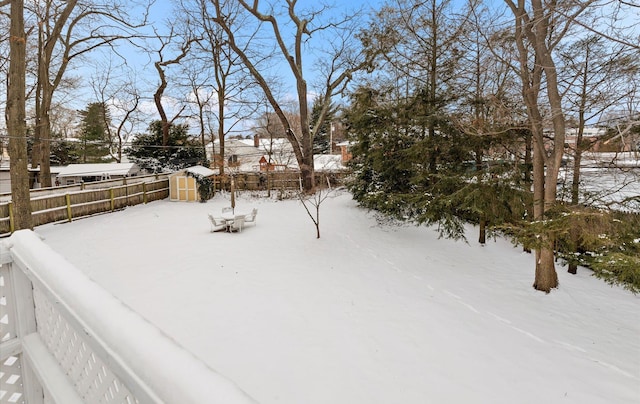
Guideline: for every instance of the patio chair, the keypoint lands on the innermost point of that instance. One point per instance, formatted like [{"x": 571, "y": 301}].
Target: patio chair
[
  {"x": 251, "y": 217},
  {"x": 227, "y": 209},
  {"x": 237, "y": 224},
  {"x": 217, "y": 224}
]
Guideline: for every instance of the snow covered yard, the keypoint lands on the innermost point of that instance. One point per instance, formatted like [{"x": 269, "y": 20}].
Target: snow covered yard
[{"x": 369, "y": 313}]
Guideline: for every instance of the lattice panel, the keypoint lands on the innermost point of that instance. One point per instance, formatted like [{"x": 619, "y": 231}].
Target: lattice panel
[
  {"x": 93, "y": 381},
  {"x": 7, "y": 312},
  {"x": 11, "y": 381},
  {"x": 11, "y": 390}
]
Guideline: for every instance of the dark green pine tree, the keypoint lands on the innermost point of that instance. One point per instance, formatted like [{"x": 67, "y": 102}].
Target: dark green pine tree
[
  {"x": 182, "y": 150},
  {"x": 322, "y": 138},
  {"x": 64, "y": 152},
  {"x": 93, "y": 133},
  {"x": 394, "y": 172}
]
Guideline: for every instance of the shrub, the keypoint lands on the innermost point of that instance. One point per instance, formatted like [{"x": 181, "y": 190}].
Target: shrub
[{"x": 618, "y": 269}]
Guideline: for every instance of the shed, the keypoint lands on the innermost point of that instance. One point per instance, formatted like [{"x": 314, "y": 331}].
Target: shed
[{"x": 183, "y": 187}]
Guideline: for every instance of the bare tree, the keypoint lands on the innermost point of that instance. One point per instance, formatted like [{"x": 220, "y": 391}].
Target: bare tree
[
  {"x": 201, "y": 96},
  {"x": 599, "y": 77},
  {"x": 539, "y": 28},
  {"x": 122, "y": 98},
  {"x": 617, "y": 21},
  {"x": 16, "y": 125},
  {"x": 312, "y": 203},
  {"x": 166, "y": 42},
  {"x": 69, "y": 30},
  {"x": 63, "y": 120},
  {"x": 288, "y": 33},
  {"x": 231, "y": 85}
]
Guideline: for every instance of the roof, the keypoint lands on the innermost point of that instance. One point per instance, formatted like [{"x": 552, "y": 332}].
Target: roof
[
  {"x": 200, "y": 170},
  {"x": 328, "y": 162},
  {"x": 82, "y": 170}
]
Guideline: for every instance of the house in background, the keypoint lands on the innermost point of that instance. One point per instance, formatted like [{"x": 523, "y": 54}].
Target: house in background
[
  {"x": 250, "y": 155},
  {"x": 589, "y": 134},
  {"x": 596, "y": 140},
  {"x": 258, "y": 154},
  {"x": 34, "y": 176},
  {"x": 184, "y": 187},
  {"x": 77, "y": 173},
  {"x": 345, "y": 151},
  {"x": 5, "y": 178}
]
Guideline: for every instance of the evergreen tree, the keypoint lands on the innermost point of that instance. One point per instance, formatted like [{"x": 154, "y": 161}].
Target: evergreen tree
[
  {"x": 390, "y": 160},
  {"x": 64, "y": 152},
  {"x": 415, "y": 159},
  {"x": 392, "y": 172},
  {"x": 94, "y": 133},
  {"x": 182, "y": 150},
  {"x": 322, "y": 138}
]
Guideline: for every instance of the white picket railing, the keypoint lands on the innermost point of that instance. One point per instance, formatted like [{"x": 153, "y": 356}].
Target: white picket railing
[{"x": 65, "y": 340}]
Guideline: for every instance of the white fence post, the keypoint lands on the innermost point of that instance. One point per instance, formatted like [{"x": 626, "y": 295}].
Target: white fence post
[{"x": 17, "y": 320}]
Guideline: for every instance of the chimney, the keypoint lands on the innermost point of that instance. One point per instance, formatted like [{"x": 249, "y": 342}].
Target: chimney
[{"x": 256, "y": 140}]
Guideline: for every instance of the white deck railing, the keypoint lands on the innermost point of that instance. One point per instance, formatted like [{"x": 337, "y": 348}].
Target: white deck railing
[{"x": 65, "y": 340}]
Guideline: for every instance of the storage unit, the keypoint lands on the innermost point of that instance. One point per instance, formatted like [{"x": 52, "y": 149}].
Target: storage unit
[{"x": 184, "y": 187}]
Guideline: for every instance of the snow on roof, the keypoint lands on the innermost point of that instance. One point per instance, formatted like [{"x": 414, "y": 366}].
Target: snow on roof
[
  {"x": 248, "y": 146},
  {"x": 76, "y": 170},
  {"x": 278, "y": 143},
  {"x": 328, "y": 162},
  {"x": 200, "y": 170}
]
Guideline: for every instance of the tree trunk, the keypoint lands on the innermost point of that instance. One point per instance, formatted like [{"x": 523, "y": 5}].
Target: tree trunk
[
  {"x": 42, "y": 133},
  {"x": 45, "y": 148},
  {"x": 48, "y": 37},
  {"x": 575, "y": 195},
  {"x": 308, "y": 177},
  {"x": 221, "y": 106},
  {"x": 482, "y": 238},
  {"x": 535, "y": 22},
  {"x": 546, "y": 277},
  {"x": 16, "y": 114},
  {"x": 43, "y": 123},
  {"x": 577, "y": 161},
  {"x": 527, "y": 156},
  {"x": 545, "y": 273}
]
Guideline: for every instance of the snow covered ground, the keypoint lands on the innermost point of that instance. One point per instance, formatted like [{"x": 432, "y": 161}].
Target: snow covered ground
[
  {"x": 606, "y": 180},
  {"x": 369, "y": 313}
]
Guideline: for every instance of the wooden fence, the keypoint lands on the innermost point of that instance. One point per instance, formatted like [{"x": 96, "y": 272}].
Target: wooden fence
[
  {"x": 285, "y": 180},
  {"x": 49, "y": 205},
  {"x": 66, "y": 203}
]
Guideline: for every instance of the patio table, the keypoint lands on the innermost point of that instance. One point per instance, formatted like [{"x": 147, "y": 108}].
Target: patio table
[{"x": 229, "y": 217}]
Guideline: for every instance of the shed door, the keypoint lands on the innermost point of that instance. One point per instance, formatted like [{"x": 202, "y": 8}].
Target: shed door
[{"x": 182, "y": 188}]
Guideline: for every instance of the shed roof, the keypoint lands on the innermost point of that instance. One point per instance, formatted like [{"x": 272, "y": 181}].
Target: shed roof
[{"x": 200, "y": 170}]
